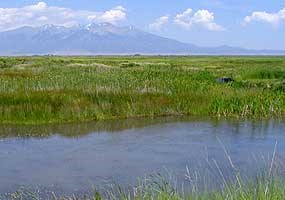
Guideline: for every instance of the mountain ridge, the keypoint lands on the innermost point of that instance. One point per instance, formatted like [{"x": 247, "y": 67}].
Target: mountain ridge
[{"x": 103, "y": 38}]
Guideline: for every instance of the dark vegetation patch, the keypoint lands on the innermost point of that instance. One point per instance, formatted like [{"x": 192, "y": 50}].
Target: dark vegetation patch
[
  {"x": 267, "y": 73},
  {"x": 15, "y": 74},
  {"x": 129, "y": 65}
]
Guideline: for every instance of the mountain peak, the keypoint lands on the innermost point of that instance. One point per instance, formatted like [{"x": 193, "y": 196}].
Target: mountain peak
[
  {"x": 97, "y": 25},
  {"x": 106, "y": 24},
  {"x": 108, "y": 28},
  {"x": 50, "y": 26}
]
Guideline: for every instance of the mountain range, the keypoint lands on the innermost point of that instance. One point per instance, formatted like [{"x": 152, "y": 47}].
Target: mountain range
[{"x": 104, "y": 38}]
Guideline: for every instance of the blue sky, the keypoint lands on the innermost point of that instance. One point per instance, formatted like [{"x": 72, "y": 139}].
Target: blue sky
[{"x": 258, "y": 24}]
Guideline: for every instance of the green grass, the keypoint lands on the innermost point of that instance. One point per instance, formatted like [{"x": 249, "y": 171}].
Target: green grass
[
  {"x": 160, "y": 189},
  {"x": 36, "y": 90}
]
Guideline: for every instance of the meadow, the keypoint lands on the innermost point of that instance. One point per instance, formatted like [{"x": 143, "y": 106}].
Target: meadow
[{"x": 49, "y": 89}]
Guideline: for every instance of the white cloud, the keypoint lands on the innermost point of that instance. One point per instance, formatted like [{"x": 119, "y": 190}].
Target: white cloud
[
  {"x": 261, "y": 16},
  {"x": 159, "y": 23},
  {"x": 116, "y": 14},
  {"x": 202, "y": 18},
  {"x": 41, "y": 13}
]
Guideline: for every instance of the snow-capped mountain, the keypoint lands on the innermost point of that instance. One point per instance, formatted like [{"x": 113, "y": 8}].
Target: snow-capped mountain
[{"x": 104, "y": 38}]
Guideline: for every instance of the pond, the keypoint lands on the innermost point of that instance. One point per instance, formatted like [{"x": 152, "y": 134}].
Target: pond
[{"x": 77, "y": 157}]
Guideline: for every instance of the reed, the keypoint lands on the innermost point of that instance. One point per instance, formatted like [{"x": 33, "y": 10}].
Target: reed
[
  {"x": 36, "y": 90},
  {"x": 158, "y": 188}
]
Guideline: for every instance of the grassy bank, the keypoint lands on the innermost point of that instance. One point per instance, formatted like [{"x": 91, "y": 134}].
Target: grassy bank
[
  {"x": 262, "y": 189},
  {"x": 36, "y": 90}
]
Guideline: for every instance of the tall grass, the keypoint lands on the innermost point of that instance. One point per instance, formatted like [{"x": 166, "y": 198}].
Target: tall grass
[
  {"x": 37, "y": 90},
  {"x": 159, "y": 188}
]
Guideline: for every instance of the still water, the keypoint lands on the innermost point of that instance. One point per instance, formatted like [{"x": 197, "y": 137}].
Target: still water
[{"x": 77, "y": 157}]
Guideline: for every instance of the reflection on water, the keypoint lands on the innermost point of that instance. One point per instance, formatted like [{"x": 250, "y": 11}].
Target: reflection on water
[
  {"x": 80, "y": 129},
  {"x": 77, "y": 130},
  {"x": 76, "y": 156}
]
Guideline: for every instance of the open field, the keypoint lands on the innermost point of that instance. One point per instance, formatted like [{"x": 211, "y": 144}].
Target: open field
[{"x": 35, "y": 90}]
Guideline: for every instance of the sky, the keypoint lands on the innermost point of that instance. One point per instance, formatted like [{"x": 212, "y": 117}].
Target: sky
[{"x": 252, "y": 24}]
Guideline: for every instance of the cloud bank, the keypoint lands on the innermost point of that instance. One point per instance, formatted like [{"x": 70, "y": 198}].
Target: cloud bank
[
  {"x": 159, "y": 23},
  {"x": 201, "y": 18},
  {"x": 41, "y": 13},
  {"x": 262, "y": 16}
]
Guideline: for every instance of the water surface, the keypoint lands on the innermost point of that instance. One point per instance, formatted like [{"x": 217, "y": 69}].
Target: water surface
[{"x": 76, "y": 157}]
